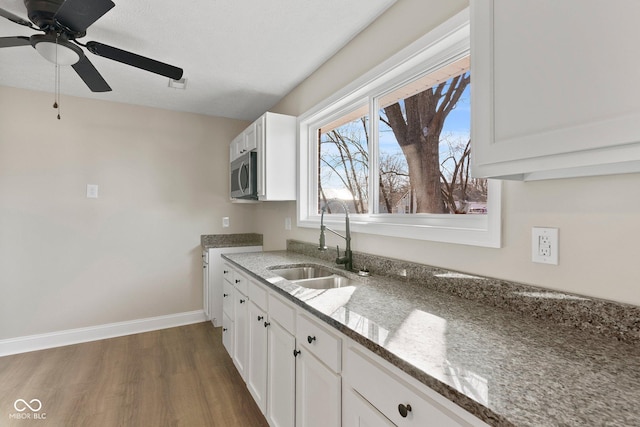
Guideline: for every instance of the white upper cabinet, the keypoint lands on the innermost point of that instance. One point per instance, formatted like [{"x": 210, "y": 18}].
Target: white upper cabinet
[
  {"x": 276, "y": 147},
  {"x": 273, "y": 138},
  {"x": 555, "y": 88}
]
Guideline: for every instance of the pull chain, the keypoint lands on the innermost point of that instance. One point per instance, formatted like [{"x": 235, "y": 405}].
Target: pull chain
[{"x": 56, "y": 102}]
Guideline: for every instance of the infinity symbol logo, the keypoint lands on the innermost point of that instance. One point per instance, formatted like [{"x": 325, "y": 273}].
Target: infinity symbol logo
[{"x": 21, "y": 405}]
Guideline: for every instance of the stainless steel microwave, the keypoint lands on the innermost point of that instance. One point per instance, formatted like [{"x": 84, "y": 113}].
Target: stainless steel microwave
[{"x": 244, "y": 176}]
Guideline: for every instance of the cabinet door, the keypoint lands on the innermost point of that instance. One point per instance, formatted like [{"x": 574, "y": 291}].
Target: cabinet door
[
  {"x": 257, "y": 357},
  {"x": 261, "y": 150},
  {"x": 227, "y": 334},
  {"x": 250, "y": 139},
  {"x": 206, "y": 301},
  {"x": 546, "y": 99},
  {"x": 236, "y": 147},
  {"x": 240, "y": 328},
  {"x": 227, "y": 299},
  {"x": 317, "y": 393},
  {"x": 281, "y": 376},
  {"x": 357, "y": 412}
]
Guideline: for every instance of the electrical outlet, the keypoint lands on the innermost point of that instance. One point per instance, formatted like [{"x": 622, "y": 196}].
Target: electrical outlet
[
  {"x": 544, "y": 245},
  {"x": 287, "y": 223},
  {"x": 225, "y": 221}
]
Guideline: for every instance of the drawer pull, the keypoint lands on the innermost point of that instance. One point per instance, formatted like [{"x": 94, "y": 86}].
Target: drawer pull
[
  {"x": 237, "y": 280},
  {"x": 404, "y": 410},
  {"x": 296, "y": 353},
  {"x": 225, "y": 272},
  {"x": 266, "y": 324},
  {"x": 224, "y": 329},
  {"x": 225, "y": 295},
  {"x": 260, "y": 318},
  {"x": 310, "y": 339},
  {"x": 242, "y": 301}
]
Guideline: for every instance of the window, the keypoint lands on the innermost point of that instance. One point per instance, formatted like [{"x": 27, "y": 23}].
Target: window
[{"x": 395, "y": 146}]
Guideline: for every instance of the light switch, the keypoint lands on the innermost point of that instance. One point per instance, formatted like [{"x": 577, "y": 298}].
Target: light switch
[{"x": 92, "y": 191}]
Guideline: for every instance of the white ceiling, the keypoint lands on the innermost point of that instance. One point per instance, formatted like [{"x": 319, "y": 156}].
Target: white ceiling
[{"x": 240, "y": 57}]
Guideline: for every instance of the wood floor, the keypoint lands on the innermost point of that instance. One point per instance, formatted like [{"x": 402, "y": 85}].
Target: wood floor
[{"x": 173, "y": 377}]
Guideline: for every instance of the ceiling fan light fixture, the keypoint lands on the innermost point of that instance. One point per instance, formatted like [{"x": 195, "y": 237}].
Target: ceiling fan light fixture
[{"x": 62, "y": 53}]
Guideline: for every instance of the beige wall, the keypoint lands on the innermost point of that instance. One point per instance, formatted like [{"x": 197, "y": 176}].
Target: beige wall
[
  {"x": 67, "y": 261},
  {"x": 598, "y": 218}
]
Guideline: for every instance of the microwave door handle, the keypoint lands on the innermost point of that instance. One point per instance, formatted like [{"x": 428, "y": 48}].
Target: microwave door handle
[{"x": 240, "y": 186}]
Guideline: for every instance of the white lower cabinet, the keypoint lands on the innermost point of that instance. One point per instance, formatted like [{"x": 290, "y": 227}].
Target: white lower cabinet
[
  {"x": 318, "y": 383},
  {"x": 281, "y": 376},
  {"x": 297, "y": 372},
  {"x": 257, "y": 358},
  {"x": 227, "y": 317},
  {"x": 227, "y": 333},
  {"x": 318, "y": 397},
  {"x": 240, "y": 332},
  {"x": 281, "y": 362}
]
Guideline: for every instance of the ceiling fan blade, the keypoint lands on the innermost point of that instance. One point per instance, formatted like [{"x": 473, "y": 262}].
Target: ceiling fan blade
[
  {"x": 14, "y": 41},
  {"x": 15, "y": 18},
  {"x": 90, "y": 75},
  {"x": 78, "y": 15},
  {"x": 135, "y": 60}
]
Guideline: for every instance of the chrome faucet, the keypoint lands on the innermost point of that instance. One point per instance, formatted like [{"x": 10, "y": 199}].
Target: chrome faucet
[{"x": 347, "y": 259}]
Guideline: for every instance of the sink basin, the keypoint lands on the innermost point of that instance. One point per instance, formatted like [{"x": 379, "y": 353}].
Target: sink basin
[
  {"x": 299, "y": 273},
  {"x": 330, "y": 282},
  {"x": 313, "y": 277}
]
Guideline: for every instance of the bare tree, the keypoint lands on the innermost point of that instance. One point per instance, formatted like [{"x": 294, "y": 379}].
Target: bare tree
[
  {"x": 458, "y": 188},
  {"x": 394, "y": 179},
  {"x": 347, "y": 159},
  {"x": 417, "y": 125}
]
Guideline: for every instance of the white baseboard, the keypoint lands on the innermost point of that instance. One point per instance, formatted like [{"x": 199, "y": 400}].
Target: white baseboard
[{"x": 93, "y": 333}]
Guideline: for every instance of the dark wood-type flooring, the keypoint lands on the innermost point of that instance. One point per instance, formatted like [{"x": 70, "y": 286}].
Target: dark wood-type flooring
[{"x": 173, "y": 377}]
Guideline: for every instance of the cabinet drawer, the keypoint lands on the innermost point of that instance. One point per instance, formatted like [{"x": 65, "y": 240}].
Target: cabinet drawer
[
  {"x": 241, "y": 282},
  {"x": 283, "y": 313},
  {"x": 319, "y": 341},
  {"x": 227, "y": 299},
  {"x": 227, "y": 272},
  {"x": 386, "y": 392},
  {"x": 258, "y": 294}
]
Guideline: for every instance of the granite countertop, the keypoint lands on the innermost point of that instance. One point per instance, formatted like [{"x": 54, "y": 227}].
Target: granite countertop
[
  {"x": 506, "y": 368},
  {"x": 230, "y": 240}
]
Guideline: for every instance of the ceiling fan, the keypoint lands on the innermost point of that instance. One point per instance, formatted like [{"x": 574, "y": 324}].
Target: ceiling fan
[{"x": 63, "y": 22}]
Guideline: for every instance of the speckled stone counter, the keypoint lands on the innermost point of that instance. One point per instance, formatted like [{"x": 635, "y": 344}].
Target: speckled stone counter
[
  {"x": 230, "y": 240},
  {"x": 505, "y": 367}
]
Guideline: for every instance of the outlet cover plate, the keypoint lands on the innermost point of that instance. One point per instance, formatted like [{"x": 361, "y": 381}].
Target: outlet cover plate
[
  {"x": 92, "y": 191},
  {"x": 544, "y": 245}
]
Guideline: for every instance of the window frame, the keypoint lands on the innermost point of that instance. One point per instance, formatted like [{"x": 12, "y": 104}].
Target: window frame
[{"x": 446, "y": 43}]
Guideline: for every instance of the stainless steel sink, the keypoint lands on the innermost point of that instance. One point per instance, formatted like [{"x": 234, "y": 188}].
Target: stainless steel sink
[
  {"x": 330, "y": 282},
  {"x": 313, "y": 277},
  {"x": 303, "y": 272}
]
